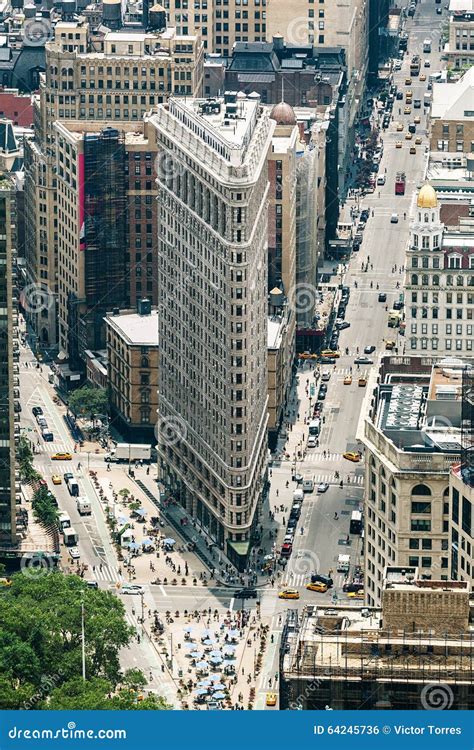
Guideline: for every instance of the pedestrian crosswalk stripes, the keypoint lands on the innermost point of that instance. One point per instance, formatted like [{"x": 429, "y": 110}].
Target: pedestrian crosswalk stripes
[{"x": 107, "y": 573}]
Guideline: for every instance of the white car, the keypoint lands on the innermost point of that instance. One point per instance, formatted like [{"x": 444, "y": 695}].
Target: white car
[
  {"x": 323, "y": 487},
  {"x": 74, "y": 553},
  {"x": 312, "y": 441},
  {"x": 397, "y": 65},
  {"x": 131, "y": 588},
  {"x": 381, "y": 180},
  {"x": 394, "y": 219},
  {"x": 325, "y": 377}
]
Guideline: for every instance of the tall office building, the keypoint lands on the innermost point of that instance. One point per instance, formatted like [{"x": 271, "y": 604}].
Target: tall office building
[
  {"x": 110, "y": 80},
  {"x": 9, "y": 355},
  {"x": 212, "y": 229}
]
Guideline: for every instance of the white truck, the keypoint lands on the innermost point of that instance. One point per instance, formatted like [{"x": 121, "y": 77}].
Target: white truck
[
  {"x": 83, "y": 506},
  {"x": 343, "y": 563},
  {"x": 129, "y": 452},
  {"x": 298, "y": 496},
  {"x": 427, "y": 45},
  {"x": 64, "y": 521},
  {"x": 70, "y": 537}
]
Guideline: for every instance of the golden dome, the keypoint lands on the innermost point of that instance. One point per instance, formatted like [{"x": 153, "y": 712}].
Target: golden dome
[{"x": 427, "y": 197}]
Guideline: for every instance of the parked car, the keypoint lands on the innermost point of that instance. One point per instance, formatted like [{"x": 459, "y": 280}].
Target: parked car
[
  {"x": 381, "y": 179},
  {"x": 36, "y": 411},
  {"x": 382, "y": 297}
]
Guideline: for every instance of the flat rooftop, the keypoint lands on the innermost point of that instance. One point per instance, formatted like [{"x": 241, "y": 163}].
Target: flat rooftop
[
  {"x": 233, "y": 121},
  {"x": 135, "y": 329},
  {"x": 275, "y": 325}
]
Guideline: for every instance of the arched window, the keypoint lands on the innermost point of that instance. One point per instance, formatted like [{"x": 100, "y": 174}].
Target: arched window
[
  {"x": 425, "y": 279},
  {"x": 421, "y": 490},
  {"x": 435, "y": 280},
  {"x": 414, "y": 279},
  {"x": 459, "y": 281},
  {"x": 446, "y": 492},
  {"x": 144, "y": 362},
  {"x": 449, "y": 280},
  {"x": 432, "y": 217},
  {"x": 426, "y": 218}
]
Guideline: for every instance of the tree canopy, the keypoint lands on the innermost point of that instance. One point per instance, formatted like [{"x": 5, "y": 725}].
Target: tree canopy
[
  {"x": 41, "y": 647},
  {"x": 88, "y": 401}
]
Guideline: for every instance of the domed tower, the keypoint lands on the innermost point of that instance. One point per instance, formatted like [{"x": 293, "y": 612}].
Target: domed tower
[
  {"x": 283, "y": 114},
  {"x": 426, "y": 227},
  {"x": 424, "y": 292}
]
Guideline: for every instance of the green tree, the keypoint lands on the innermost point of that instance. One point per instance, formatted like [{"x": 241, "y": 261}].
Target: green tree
[
  {"x": 44, "y": 507},
  {"x": 88, "y": 401},
  {"x": 25, "y": 460},
  {"x": 99, "y": 694}
]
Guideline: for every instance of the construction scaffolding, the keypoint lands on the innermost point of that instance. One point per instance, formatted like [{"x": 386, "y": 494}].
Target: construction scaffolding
[
  {"x": 467, "y": 426},
  {"x": 105, "y": 220},
  {"x": 323, "y": 662}
]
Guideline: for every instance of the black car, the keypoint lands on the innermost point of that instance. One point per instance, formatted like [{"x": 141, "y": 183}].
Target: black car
[
  {"x": 399, "y": 95},
  {"x": 341, "y": 311},
  {"x": 246, "y": 594},
  {"x": 363, "y": 361},
  {"x": 382, "y": 297},
  {"x": 439, "y": 11},
  {"x": 398, "y": 305},
  {"x": 37, "y": 410},
  {"x": 369, "y": 349},
  {"x": 364, "y": 214},
  {"x": 92, "y": 585},
  {"x": 327, "y": 360},
  {"x": 321, "y": 395}
]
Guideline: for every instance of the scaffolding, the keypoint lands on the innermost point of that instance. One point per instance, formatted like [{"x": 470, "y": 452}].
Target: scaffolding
[
  {"x": 467, "y": 426},
  {"x": 105, "y": 224},
  {"x": 329, "y": 664}
]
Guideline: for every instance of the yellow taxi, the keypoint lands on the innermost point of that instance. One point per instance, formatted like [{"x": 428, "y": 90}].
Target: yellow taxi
[
  {"x": 5, "y": 583},
  {"x": 56, "y": 479},
  {"x": 329, "y": 353},
  {"x": 353, "y": 456},
  {"x": 423, "y": 77},
  {"x": 407, "y": 110},
  {"x": 61, "y": 457},
  {"x": 362, "y": 382},
  {"x": 356, "y": 594},
  {"x": 289, "y": 594},
  {"x": 321, "y": 588},
  {"x": 348, "y": 380},
  {"x": 399, "y": 127},
  {"x": 418, "y": 140},
  {"x": 417, "y": 120},
  {"x": 390, "y": 345},
  {"x": 408, "y": 94},
  {"x": 398, "y": 144},
  {"x": 271, "y": 699},
  {"x": 412, "y": 150},
  {"x": 407, "y": 81},
  {"x": 408, "y": 136}
]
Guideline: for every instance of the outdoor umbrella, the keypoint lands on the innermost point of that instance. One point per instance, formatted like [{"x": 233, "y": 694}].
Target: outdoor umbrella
[
  {"x": 218, "y": 686},
  {"x": 216, "y": 654},
  {"x": 141, "y": 512},
  {"x": 215, "y": 677},
  {"x": 201, "y": 691},
  {"x": 169, "y": 542},
  {"x": 204, "y": 683},
  {"x": 219, "y": 696},
  {"x": 196, "y": 654},
  {"x": 229, "y": 653},
  {"x": 208, "y": 642},
  {"x": 122, "y": 520},
  {"x": 188, "y": 629},
  {"x": 133, "y": 545},
  {"x": 233, "y": 634},
  {"x": 206, "y": 634},
  {"x": 216, "y": 659},
  {"x": 202, "y": 665},
  {"x": 147, "y": 542}
]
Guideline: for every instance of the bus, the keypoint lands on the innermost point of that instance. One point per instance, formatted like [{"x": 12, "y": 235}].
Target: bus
[
  {"x": 356, "y": 522},
  {"x": 415, "y": 65}
]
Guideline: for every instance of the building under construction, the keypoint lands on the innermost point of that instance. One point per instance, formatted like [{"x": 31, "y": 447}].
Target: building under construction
[
  {"x": 415, "y": 652},
  {"x": 103, "y": 234}
]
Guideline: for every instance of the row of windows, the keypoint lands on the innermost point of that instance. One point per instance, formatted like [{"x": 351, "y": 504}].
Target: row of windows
[{"x": 434, "y": 280}]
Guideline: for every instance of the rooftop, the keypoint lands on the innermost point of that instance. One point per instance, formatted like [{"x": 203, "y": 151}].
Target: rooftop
[
  {"x": 454, "y": 101},
  {"x": 135, "y": 329}
]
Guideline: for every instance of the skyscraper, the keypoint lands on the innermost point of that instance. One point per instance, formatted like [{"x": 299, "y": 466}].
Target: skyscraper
[
  {"x": 212, "y": 229},
  {"x": 8, "y": 386}
]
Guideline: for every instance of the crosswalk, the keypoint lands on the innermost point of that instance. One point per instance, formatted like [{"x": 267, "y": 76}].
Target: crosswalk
[
  {"x": 299, "y": 580},
  {"x": 107, "y": 573}
]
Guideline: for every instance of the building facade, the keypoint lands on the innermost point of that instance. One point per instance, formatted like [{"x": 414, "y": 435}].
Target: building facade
[
  {"x": 9, "y": 368},
  {"x": 439, "y": 282},
  {"x": 451, "y": 120},
  {"x": 132, "y": 366},
  {"x": 213, "y": 247},
  {"x": 412, "y": 438},
  {"x": 460, "y": 47},
  {"x": 112, "y": 79}
]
